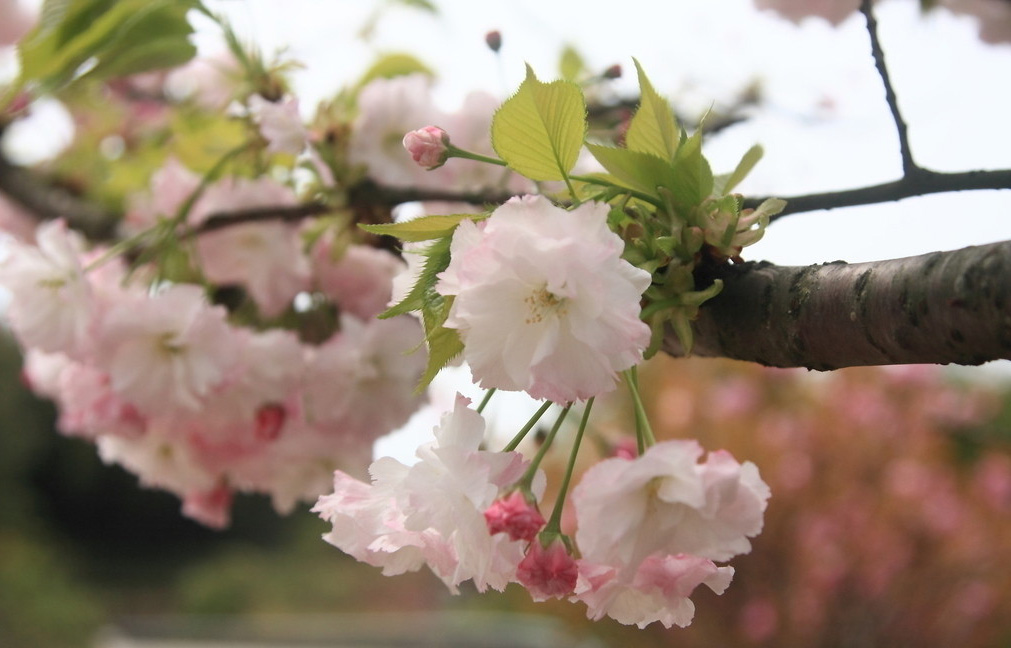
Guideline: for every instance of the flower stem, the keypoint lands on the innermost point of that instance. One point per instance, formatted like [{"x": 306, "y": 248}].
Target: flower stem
[
  {"x": 454, "y": 152},
  {"x": 554, "y": 524},
  {"x": 643, "y": 431},
  {"x": 528, "y": 476},
  {"x": 526, "y": 428},
  {"x": 484, "y": 401}
]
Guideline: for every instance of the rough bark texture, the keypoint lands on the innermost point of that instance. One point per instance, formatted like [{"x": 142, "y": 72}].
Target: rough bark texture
[{"x": 943, "y": 307}]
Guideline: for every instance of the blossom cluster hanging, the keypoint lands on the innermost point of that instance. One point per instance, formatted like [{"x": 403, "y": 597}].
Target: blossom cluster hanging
[{"x": 250, "y": 329}]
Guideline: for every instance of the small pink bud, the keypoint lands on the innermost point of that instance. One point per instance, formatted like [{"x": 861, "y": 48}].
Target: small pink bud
[
  {"x": 428, "y": 146},
  {"x": 515, "y": 516},
  {"x": 269, "y": 419},
  {"x": 613, "y": 72},
  {"x": 548, "y": 572},
  {"x": 625, "y": 448}
]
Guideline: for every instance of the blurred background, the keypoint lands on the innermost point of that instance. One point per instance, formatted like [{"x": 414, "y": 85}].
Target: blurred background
[{"x": 890, "y": 521}]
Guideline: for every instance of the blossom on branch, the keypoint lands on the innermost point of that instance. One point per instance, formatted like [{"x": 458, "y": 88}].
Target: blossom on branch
[{"x": 543, "y": 301}]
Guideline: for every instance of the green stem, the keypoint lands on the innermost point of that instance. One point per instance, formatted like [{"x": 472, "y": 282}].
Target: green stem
[
  {"x": 528, "y": 476},
  {"x": 484, "y": 401},
  {"x": 205, "y": 182},
  {"x": 554, "y": 524},
  {"x": 455, "y": 152},
  {"x": 643, "y": 431},
  {"x": 526, "y": 428},
  {"x": 655, "y": 307}
]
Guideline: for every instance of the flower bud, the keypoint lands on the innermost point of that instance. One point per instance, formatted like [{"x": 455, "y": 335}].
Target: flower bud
[
  {"x": 515, "y": 516},
  {"x": 493, "y": 40},
  {"x": 548, "y": 572},
  {"x": 428, "y": 146}
]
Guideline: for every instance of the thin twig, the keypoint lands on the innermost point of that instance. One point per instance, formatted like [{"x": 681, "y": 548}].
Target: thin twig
[{"x": 909, "y": 166}]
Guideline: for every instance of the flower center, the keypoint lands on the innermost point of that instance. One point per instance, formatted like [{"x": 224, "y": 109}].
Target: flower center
[{"x": 544, "y": 303}]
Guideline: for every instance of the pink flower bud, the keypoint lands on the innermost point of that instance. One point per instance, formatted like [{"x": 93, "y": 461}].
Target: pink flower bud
[
  {"x": 269, "y": 420},
  {"x": 493, "y": 40},
  {"x": 548, "y": 572},
  {"x": 515, "y": 516},
  {"x": 428, "y": 146}
]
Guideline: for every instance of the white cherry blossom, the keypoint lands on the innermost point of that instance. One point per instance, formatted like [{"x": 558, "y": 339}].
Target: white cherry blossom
[{"x": 544, "y": 303}]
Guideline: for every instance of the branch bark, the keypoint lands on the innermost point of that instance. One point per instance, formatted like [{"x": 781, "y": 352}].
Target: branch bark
[{"x": 938, "y": 308}]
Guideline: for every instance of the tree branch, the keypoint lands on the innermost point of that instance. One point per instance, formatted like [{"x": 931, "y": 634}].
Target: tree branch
[
  {"x": 47, "y": 201},
  {"x": 938, "y": 308},
  {"x": 909, "y": 167},
  {"x": 921, "y": 183}
]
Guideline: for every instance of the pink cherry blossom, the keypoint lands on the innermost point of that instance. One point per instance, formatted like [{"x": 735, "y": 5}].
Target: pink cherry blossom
[
  {"x": 210, "y": 507},
  {"x": 388, "y": 108},
  {"x": 280, "y": 124},
  {"x": 543, "y": 300},
  {"x": 431, "y": 513},
  {"x": 16, "y": 22},
  {"x": 548, "y": 572},
  {"x": 667, "y": 502},
  {"x": 266, "y": 258},
  {"x": 428, "y": 146},
  {"x": 346, "y": 375},
  {"x": 51, "y": 305},
  {"x": 514, "y": 516},
  {"x": 168, "y": 352},
  {"x": 657, "y": 590},
  {"x": 359, "y": 279},
  {"x": 169, "y": 187}
]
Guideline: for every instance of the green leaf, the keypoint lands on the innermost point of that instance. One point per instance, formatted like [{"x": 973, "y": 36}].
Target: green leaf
[
  {"x": 444, "y": 344},
  {"x": 641, "y": 171},
  {"x": 653, "y": 129},
  {"x": 744, "y": 167},
  {"x": 693, "y": 177},
  {"x": 540, "y": 129},
  {"x": 393, "y": 65},
  {"x": 110, "y": 36},
  {"x": 570, "y": 64},
  {"x": 425, "y": 228},
  {"x": 424, "y": 288}
]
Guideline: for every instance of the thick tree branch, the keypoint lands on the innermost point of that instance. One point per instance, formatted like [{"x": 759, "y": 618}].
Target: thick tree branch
[{"x": 939, "y": 308}]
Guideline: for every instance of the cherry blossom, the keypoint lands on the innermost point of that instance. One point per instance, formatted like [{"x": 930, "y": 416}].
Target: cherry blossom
[
  {"x": 667, "y": 502},
  {"x": 543, "y": 300},
  {"x": 515, "y": 516},
  {"x": 430, "y": 513},
  {"x": 280, "y": 124},
  {"x": 657, "y": 590},
  {"x": 359, "y": 278},
  {"x": 167, "y": 352},
  {"x": 52, "y": 304}
]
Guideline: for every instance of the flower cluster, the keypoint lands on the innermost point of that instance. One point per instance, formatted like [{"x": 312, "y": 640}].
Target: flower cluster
[
  {"x": 165, "y": 385},
  {"x": 650, "y": 529},
  {"x": 238, "y": 333}
]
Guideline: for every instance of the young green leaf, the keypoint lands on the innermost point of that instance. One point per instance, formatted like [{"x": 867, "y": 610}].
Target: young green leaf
[
  {"x": 744, "y": 167},
  {"x": 73, "y": 33},
  {"x": 425, "y": 228},
  {"x": 437, "y": 260},
  {"x": 540, "y": 129},
  {"x": 570, "y": 64},
  {"x": 641, "y": 171},
  {"x": 653, "y": 129},
  {"x": 443, "y": 343}
]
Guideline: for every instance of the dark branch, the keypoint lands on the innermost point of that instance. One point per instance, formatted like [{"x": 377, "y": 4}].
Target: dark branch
[
  {"x": 922, "y": 183},
  {"x": 909, "y": 167},
  {"x": 938, "y": 308},
  {"x": 47, "y": 201}
]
